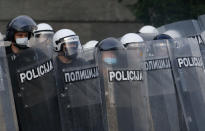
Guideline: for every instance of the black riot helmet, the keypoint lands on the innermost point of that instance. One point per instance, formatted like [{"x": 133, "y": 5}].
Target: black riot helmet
[
  {"x": 20, "y": 24},
  {"x": 162, "y": 37},
  {"x": 109, "y": 50},
  {"x": 110, "y": 44}
]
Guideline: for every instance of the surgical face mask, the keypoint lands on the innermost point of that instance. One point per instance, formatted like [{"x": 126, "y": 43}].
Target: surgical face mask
[
  {"x": 110, "y": 60},
  {"x": 22, "y": 41}
]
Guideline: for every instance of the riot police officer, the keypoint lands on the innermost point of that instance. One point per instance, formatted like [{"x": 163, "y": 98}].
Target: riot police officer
[
  {"x": 32, "y": 79},
  {"x": 66, "y": 43},
  {"x": 170, "y": 35},
  {"x": 117, "y": 95},
  {"x": 19, "y": 31},
  {"x": 79, "y": 101}
]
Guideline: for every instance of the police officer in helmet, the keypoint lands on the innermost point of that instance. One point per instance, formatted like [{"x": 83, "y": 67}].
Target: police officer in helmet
[
  {"x": 170, "y": 37},
  {"x": 18, "y": 32},
  {"x": 82, "y": 114},
  {"x": 116, "y": 96},
  {"x": 66, "y": 43},
  {"x": 35, "y": 98}
]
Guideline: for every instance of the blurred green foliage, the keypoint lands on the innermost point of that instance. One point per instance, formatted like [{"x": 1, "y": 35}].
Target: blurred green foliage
[{"x": 159, "y": 12}]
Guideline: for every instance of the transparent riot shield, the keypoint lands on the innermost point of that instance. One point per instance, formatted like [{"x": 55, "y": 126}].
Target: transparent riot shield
[
  {"x": 160, "y": 83},
  {"x": 43, "y": 39},
  {"x": 124, "y": 91},
  {"x": 163, "y": 102},
  {"x": 89, "y": 55},
  {"x": 189, "y": 79},
  {"x": 79, "y": 92},
  {"x": 8, "y": 120},
  {"x": 34, "y": 88},
  {"x": 178, "y": 29}
]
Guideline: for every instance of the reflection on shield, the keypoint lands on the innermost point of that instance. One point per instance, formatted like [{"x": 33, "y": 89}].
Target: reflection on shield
[
  {"x": 8, "y": 119},
  {"x": 124, "y": 91},
  {"x": 79, "y": 93},
  {"x": 34, "y": 87},
  {"x": 189, "y": 79}
]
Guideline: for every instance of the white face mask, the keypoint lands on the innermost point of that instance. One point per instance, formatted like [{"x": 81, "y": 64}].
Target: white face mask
[{"x": 22, "y": 41}]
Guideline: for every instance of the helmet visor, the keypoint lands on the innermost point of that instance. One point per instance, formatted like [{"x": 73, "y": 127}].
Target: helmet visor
[
  {"x": 44, "y": 35},
  {"x": 71, "y": 45}
]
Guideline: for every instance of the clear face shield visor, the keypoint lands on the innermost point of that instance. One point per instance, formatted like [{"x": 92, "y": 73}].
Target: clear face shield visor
[
  {"x": 44, "y": 36},
  {"x": 71, "y": 45}
]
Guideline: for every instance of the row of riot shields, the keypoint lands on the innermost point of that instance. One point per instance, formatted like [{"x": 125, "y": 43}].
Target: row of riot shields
[
  {"x": 191, "y": 91},
  {"x": 139, "y": 89},
  {"x": 154, "y": 86},
  {"x": 151, "y": 86},
  {"x": 189, "y": 78}
]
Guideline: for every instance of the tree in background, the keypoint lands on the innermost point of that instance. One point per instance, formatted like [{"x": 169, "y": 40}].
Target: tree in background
[{"x": 160, "y": 12}]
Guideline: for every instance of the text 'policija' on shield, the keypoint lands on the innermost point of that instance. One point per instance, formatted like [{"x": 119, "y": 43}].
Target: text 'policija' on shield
[
  {"x": 80, "y": 75},
  {"x": 125, "y": 75},
  {"x": 37, "y": 71},
  {"x": 189, "y": 62}
]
